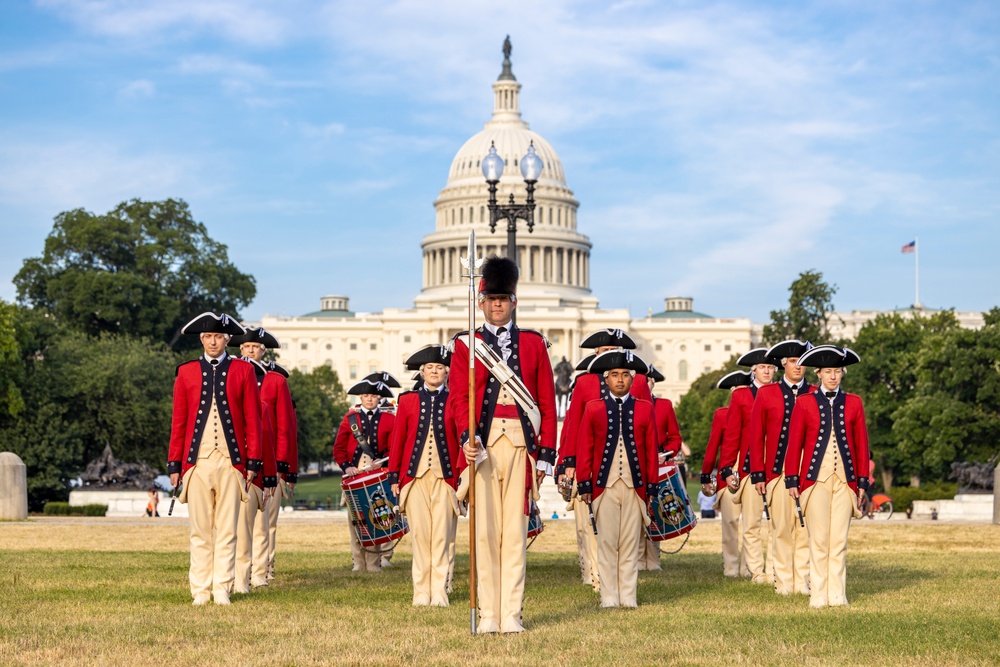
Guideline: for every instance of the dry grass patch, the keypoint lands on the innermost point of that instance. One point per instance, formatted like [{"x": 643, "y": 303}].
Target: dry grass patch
[{"x": 114, "y": 592}]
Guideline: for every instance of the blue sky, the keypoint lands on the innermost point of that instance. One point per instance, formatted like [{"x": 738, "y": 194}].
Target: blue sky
[{"x": 717, "y": 149}]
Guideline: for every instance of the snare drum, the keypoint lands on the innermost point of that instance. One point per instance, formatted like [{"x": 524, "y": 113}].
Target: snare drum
[
  {"x": 535, "y": 525},
  {"x": 672, "y": 513},
  {"x": 372, "y": 508}
]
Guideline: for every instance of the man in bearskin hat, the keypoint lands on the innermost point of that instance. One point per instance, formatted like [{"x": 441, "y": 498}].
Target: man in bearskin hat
[
  {"x": 589, "y": 387},
  {"x": 423, "y": 464},
  {"x": 362, "y": 439},
  {"x": 735, "y": 463},
  {"x": 215, "y": 450},
  {"x": 827, "y": 465},
  {"x": 617, "y": 464},
  {"x": 769, "y": 427},
  {"x": 513, "y": 443},
  {"x": 729, "y": 511}
]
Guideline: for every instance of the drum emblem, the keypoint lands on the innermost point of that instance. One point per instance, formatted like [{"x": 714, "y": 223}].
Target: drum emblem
[
  {"x": 669, "y": 508},
  {"x": 381, "y": 514}
]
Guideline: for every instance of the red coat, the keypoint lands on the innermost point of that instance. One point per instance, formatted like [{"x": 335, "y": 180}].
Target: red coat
[
  {"x": 588, "y": 387},
  {"x": 345, "y": 447},
  {"x": 770, "y": 417},
  {"x": 239, "y": 410},
  {"x": 592, "y": 466},
  {"x": 408, "y": 430},
  {"x": 269, "y": 472},
  {"x": 736, "y": 436},
  {"x": 667, "y": 429},
  {"x": 274, "y": 392},
  {"x": 809, "y": 434},
  {"x": 713, "y": 447}
]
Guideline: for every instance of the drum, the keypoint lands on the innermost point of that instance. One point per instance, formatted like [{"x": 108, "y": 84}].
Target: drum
[
  {"x": 535, "y": 525},
  {"x": 372, "y": 508},
  {"x": 672, "y": 513}
]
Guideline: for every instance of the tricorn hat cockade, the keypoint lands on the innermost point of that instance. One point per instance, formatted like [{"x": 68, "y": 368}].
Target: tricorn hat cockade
[
  {"x": 608, "y": 338},
  {"x": 256, "y": 335},
  {"x": 618, "y": 359},
  {"x": 735, "y": 379},
  {"x": 829, "y": 356},
  {"x": 499, "y": 276},
  {"x": 212, "y": 323},
  {"x": 429, "y": 354},
  {"x": 384, "y": 378}
]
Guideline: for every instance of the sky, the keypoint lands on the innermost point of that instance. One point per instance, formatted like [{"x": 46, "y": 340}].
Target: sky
[{"x": 718, "y": 149}]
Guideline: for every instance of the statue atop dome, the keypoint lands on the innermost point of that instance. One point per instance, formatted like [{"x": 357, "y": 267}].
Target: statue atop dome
[{"x": 507, "y": 74}]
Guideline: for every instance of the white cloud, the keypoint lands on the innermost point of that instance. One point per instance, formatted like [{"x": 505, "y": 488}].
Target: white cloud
[{"x": 140, "y": 89}]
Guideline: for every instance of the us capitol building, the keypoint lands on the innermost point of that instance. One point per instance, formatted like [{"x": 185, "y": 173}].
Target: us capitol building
[{"x": 554, "y": 295}]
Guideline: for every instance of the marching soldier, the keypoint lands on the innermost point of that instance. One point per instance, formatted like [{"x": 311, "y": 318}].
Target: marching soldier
[
  {"x": 827, "y": 463},
  {"x": 669, "y": 439},
  {"x": 586, "y": 388},
  {"x": 252, "y": 534},
  {"x": 362, "y": 439},
  {"x": 277, "y": 401},
  {"x": 617, "y": 457},
  {"x": 423, "y": 459},
  {"x": 728, "y": 510},
  {"x": 769, "y": 427},
  {"x": 513, "y": 444},
  {"x": 735, "y": 463},
  {"x": 214, "y": 451}
]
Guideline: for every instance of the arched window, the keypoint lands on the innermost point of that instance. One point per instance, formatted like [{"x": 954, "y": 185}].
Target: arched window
[{"x": 682, "y": 370}]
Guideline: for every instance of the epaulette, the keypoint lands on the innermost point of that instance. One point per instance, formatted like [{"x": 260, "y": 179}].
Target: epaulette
[
  {"x": 451, "y": 343},
  {"x": 537, "y": 333},
  {"x": 183, "y": 363}
]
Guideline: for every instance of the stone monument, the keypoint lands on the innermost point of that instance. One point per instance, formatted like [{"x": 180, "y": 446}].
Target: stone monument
[
  {"x": 13, "y": 487},
  {"x": 123, "y": 487}
]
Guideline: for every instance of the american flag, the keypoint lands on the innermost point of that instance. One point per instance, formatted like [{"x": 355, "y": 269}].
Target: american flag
[{"x": 909, "y": 247}]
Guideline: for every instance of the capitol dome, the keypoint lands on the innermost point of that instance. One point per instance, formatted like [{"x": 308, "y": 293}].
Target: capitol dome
[{"x": 554, "y": 258}]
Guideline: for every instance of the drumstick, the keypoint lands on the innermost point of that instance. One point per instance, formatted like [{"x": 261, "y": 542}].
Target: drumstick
[
  {"x": 798, "y": 508},
  {"x": 763, "y": 494},
  {"x": 173, "y": 497}
]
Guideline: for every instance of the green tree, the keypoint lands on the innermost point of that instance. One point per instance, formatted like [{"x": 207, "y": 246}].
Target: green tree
[
  {"x": 697, "y": 407},
  {"x": 890, "y": 347},
  {"x": 143, "y": 269},
  {"x": 808, "y": 314},
  {"x": 955, "y": 413},
  {"x": 320, "y": 405},
  {"x": 11, "y": 368}
]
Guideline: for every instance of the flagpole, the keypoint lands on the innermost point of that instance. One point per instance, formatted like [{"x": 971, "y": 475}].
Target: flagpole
[{"x": 916, "y": 271}]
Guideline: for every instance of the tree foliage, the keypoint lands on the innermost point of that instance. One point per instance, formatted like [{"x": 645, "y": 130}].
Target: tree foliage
[
  {"x": 143, "y": 269},
  {"x": 808, "y": 314},
  {"x": 320, "y": 403},
  {"x": 11, "y": 371},
  {"x": 697, "y": 407}
]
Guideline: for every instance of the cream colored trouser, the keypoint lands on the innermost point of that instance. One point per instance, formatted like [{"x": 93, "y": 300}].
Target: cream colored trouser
[
  {"x": 369, "y": 558},
  {"x": 829, "y": 506},
  {"x": 587, "y": 543},
  {"x": 789, "y": 542},
  {"x": 732, "y": 565},
  {"x": 618, "y": 512},
  {"x": 751, "y": 511},
  {"x": 431, "y": 516},
  {"x": 649, "y": 554},
  {"x": 214, "y": 500},
  {"x": 501, "y": 531},
  {"x": 272, "y": 509},
  {"x": 251, "y": 540}
]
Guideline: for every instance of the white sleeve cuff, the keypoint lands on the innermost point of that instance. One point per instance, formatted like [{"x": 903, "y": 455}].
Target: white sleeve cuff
[{"x": 547, "y": 467}]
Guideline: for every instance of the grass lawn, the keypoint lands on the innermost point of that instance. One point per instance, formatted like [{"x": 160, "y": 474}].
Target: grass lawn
[
  {"x": 79, "y": 591},
  {"x": 316, "y": 489}
]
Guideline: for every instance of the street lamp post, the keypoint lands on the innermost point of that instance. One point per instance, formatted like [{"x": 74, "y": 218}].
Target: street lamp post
[{"x": 531, "y": 168}]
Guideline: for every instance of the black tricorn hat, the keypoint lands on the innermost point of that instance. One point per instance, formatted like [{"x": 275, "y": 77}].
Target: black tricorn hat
[
  {"x": 787, "y": 348},
  {"x": 758, "y": 355},
  {"x": 429, "y": 354},
  {"x": 584, "y": 363},
  {"x": 367, "y": 386},
  {"x": 384, "y": 378},
  {"x": 499, "y": 276},
  {"x": 617, "y": 359},
  {"x": 608, "y": 337},
  {"x": 259, "y": 369},
  {"x": 829, "y": 356},
  {"x": 735, "y": 379},
  {"x": 655, "y": 375},
  {"x": 275, "y": 367},
  {"x": 212, "y": 323},
  {"x": 256, "y": 335}
]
